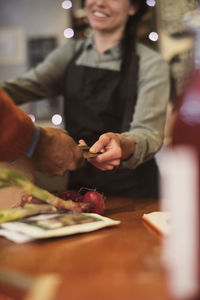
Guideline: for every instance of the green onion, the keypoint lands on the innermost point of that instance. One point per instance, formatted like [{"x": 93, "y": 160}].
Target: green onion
[{"x": 10, "y": 178}]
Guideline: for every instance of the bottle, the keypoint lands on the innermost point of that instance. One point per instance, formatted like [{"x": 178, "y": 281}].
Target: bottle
[{"x": 180, "y": 185}]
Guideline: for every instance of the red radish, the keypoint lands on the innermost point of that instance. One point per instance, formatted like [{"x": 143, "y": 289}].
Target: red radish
[
  {"x": 92, "y": 201},
  {"x": 71, "y": 195},
  {"x": 96, "y": 201}
]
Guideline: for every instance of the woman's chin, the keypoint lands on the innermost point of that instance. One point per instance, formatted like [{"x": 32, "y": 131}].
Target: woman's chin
[{"x": 98, "y": 24}]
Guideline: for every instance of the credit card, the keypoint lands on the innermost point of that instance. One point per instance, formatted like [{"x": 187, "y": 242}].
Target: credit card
[{"x": 87, "y": 153}]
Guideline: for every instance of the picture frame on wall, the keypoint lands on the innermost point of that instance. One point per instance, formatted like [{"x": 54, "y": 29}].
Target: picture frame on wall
[
  {"x": 12, "y": 46},
  {"x": 38, "y": 47}
]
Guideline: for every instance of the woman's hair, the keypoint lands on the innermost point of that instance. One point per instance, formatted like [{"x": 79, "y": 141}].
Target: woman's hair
[{"x": 128, "y": 41}]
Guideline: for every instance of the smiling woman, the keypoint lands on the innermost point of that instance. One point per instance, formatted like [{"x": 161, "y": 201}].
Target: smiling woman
[
  {"x": 115, "y": 96},
  {"x": 109, "y": 17}
]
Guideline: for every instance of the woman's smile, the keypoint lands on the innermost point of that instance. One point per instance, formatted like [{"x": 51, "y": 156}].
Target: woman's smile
[
  {"x": 100, "y": 14},
  {"x": 108, "y": 15}
]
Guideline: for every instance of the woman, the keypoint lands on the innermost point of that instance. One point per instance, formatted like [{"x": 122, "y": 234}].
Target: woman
[{"x": 115, "y": 91}]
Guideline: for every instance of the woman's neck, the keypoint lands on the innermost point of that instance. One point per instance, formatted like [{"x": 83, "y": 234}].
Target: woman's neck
[{"x": 104, "y": 41}]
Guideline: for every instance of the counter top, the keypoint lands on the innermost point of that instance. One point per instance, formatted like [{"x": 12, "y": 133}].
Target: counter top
[{"x": 121, "y": 262}]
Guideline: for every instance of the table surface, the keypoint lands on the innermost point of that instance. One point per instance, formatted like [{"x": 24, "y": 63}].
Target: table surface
[{"x": 115, "y": 263}]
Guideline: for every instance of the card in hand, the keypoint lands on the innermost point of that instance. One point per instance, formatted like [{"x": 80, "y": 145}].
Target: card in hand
[{"x": 87, "y": 153}]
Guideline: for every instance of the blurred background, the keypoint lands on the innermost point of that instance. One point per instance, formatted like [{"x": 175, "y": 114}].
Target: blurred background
[{"x": 29, "y": 30}]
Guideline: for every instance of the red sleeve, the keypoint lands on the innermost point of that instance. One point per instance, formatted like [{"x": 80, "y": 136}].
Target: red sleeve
[{"x": 16, "y": 129}]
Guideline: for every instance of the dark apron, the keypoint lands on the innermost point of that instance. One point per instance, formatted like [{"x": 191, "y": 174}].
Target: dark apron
[{"x": 95, "y": 103}]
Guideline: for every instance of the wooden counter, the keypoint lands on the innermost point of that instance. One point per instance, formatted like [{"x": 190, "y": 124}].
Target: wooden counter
[{"x": 116, "y": 263}]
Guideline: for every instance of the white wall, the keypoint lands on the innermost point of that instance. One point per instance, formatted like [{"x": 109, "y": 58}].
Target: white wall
[{"x": 36, "y": 18}]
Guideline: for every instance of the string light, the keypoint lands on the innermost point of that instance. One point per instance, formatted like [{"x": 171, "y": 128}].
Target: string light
[
  {"x": 67, "y": 4},
  {"x": 68, "y": 33},
  {"x": 56, "y": 119},
  {"x": 151, "y": 3},
  {"x": 32, "y": 117},
  {"x": 153, "y": 36}
]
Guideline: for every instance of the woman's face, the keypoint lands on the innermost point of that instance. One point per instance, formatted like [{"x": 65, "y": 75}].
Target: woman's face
[{"x": 108, "y": 15}]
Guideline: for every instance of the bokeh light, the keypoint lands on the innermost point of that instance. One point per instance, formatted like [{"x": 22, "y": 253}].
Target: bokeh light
[
  {"x": 68, "y": 33},
  {"x": 153, "y": 36},
  {"x": 56, "y": 119},
  {"x": 32, "y": 117},
  {"x": 151, "y": 3},
  {"x": 66, "y": 4}
]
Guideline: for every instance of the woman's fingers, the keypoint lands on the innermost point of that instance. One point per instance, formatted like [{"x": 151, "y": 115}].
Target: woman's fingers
[
  {"x": 106, "y": 165},
  {"x": 82, "y": 142},
  {"x": 101, "y": 144}
]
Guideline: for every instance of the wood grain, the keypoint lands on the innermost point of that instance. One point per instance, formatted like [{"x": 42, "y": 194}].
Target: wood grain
[{"x": 117, "y": 263}]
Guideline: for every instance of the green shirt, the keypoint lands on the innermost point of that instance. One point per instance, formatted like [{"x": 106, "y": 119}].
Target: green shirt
[{"x": 147, "y": 127}]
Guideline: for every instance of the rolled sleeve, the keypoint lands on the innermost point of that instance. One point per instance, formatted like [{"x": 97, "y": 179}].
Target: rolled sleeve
[
  {"x": 45, "y": 80},
  {"x": 147, "y": 127}
]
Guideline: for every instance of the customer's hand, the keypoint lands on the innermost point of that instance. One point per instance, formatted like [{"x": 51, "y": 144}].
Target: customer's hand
[
  {"x": 114, "y": 147},
  {"x": 56, "y": 152}
]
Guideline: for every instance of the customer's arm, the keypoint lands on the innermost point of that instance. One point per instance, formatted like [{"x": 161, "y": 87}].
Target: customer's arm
[
  {"x": 52, "y": 151},
  {"x": 17, "y": 129}
]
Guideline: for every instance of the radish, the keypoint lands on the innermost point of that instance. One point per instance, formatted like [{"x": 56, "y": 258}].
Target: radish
[
  {"x": 96, "y": 201},
  {"x": 93, "y": 201},
  {"x": 71, "y": 195}
]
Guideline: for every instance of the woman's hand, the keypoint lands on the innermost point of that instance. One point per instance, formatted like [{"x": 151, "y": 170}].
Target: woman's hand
[{"x": 114, "y": 147}]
